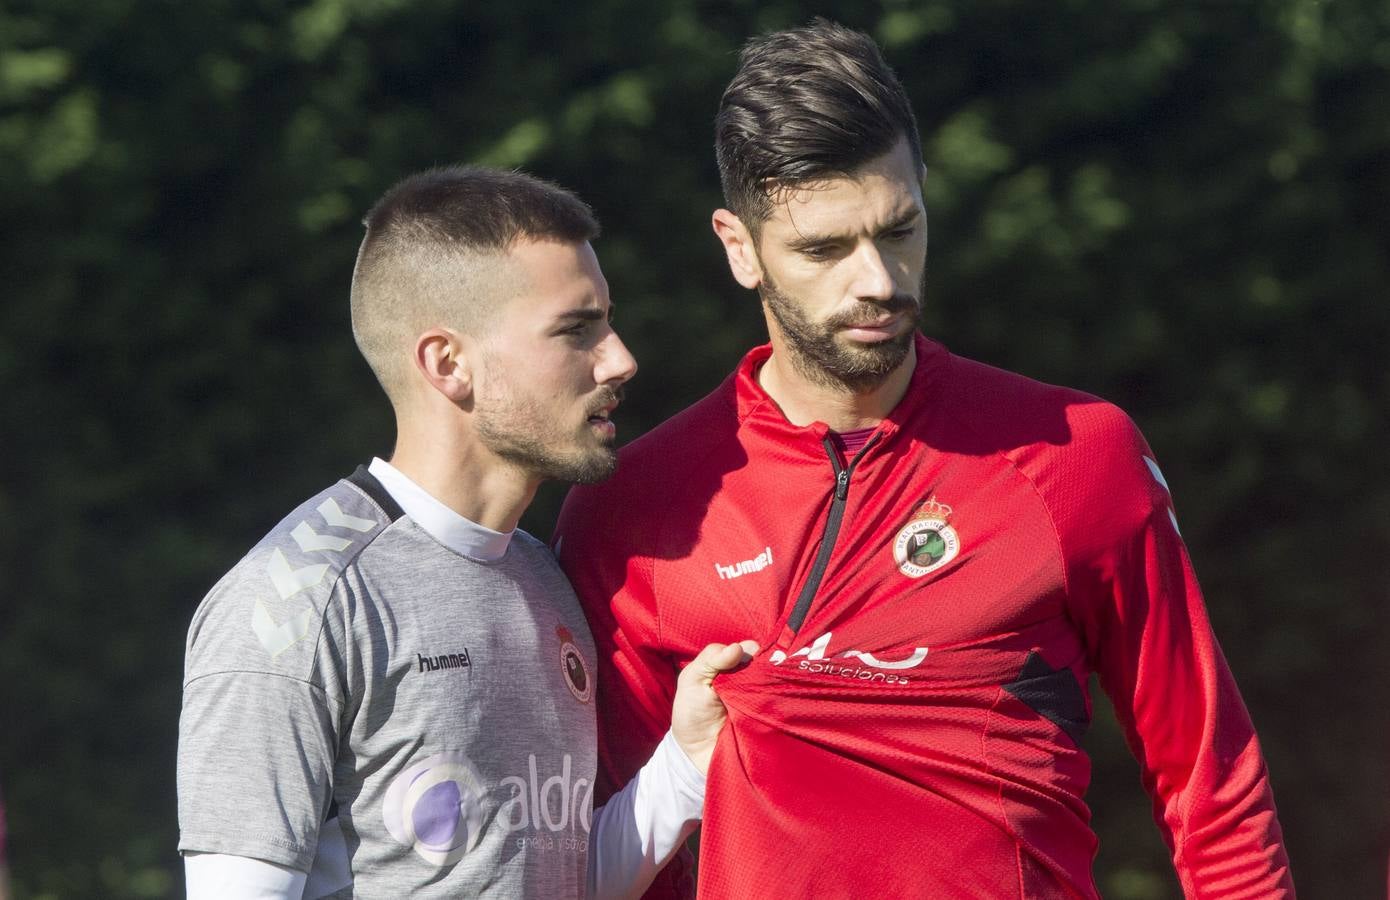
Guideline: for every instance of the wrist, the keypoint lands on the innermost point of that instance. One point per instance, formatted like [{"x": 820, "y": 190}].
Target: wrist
[{"x": 688, "y": 761}]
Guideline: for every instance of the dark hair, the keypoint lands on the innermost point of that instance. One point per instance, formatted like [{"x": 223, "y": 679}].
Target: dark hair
[
  {"x": 475, "y": 208},
  {"x": 806, "y": 103},
  {"x": 422, "y": 260}
]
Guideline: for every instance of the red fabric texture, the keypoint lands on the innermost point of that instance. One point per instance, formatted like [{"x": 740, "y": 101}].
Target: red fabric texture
[{"x": 898, "y": 748}]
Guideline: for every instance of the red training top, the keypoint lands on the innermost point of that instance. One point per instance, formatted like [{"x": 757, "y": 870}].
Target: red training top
[{"x": 929, "y": 612}]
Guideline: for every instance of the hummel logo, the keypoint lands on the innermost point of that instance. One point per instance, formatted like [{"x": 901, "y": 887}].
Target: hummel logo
[
  {"x": 756, "y": 564},
  {"x": 444, "y": 661}
]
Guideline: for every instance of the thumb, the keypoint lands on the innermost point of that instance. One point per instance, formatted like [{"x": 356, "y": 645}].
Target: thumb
[
  {"x": 697, "y": 712},
  {"x": 717, "y": 658}
]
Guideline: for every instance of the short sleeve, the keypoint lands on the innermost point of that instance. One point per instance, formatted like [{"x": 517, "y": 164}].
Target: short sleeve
[{"x": 258, "y": 731}]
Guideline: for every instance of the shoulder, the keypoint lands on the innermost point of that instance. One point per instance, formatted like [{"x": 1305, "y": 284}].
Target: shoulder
[
  {"x": 266, "y": 611},
  {"x": 1009, "y": 408},
  {"x": 533, "y": 553},
  {"x": 527, "y": 543},
  {"x": 1017, "y": 414},
  {"x": 1082, "y": 453}
]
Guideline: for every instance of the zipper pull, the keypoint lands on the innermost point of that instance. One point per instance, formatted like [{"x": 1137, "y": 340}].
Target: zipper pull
[{"x": 842, "y": 484}]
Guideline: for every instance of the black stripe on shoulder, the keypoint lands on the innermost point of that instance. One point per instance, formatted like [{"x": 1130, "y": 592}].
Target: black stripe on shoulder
[{"x": 372, "y": 488}]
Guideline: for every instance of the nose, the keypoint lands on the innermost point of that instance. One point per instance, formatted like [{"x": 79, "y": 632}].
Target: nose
[
  {"x": 872, "y": 280},
  {"x": 615, "y": 364}
]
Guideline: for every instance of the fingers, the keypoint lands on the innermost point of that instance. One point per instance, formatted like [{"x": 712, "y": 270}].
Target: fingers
[
  {"x": 750, "y": 649},
  {"x": 716, "y": 658},
  {"x": 697, "y": 713},
  {"x": 722, "y": 659}
]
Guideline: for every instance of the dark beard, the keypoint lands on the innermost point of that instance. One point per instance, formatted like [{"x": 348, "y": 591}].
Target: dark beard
[{"x": 816, "y": 355}]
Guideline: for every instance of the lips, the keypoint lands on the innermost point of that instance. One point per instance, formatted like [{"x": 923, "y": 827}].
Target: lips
[
  {"x": 874, "y": 330},
  {"x": 605, "y": 403},
  {"x": 599, "y": 420},
  {"x": 876, "y": 325},
  {"x": 877, "y": 316},
  {"x": 602, "y": 413}
]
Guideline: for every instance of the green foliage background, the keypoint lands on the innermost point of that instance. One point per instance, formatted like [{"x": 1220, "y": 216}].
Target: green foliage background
[{"x": 1178, "y": 205}]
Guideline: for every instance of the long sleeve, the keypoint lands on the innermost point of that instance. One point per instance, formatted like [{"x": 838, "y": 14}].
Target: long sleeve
[
  {"x": 217, "y": 876},
  {"x": 640, "y": 827},
  {"x": 1145, "y": 624}
]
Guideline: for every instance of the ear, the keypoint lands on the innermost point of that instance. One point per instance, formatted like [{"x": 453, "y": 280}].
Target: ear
[
  {"x": 739, "y": 248},
  {"x": 441, "y": 358}
]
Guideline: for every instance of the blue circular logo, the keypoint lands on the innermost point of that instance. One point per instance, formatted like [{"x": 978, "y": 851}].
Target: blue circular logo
[{"x": 435, "y": 808}]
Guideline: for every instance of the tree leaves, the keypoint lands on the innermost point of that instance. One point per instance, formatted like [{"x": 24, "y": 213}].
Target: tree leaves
[{"x": 1181, "y": 208}]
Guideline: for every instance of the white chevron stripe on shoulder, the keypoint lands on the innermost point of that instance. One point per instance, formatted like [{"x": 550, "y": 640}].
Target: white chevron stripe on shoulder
[
  {"x": 333, "y": 514},
  {"x": 277, "y": 638},
  {"x": 310, "y": 540},
  {"x": 289, "y": 581},
  {"x": 1158, "y": 475}
]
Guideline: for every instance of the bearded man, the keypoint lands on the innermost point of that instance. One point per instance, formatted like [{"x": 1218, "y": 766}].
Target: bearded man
[
  {"x": 392, "y": 694},
  {"x": 934, "y": 554}
]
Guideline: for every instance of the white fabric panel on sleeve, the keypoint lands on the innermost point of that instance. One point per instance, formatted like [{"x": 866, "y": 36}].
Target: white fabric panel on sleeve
[
  {"x": 640, "y": 827},
  {"x": 220, "y": 876}
]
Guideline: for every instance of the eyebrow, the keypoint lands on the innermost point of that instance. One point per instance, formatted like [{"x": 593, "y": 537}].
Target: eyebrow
[
  {"x": 588, "y": 313},
  {"x": 807, "y": 241}
]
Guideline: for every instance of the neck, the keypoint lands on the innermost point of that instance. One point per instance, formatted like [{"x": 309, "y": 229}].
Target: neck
[
  {"x": 804, "y": 400},
  {"x": 464, "y": 476}
]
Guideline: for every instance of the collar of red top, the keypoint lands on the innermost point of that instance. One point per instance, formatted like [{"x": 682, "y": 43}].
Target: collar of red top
[{"x": 758, "y": 410}]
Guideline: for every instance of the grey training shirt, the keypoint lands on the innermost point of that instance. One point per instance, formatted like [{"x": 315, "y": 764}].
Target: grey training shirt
[{"x": 353, "y": 680}]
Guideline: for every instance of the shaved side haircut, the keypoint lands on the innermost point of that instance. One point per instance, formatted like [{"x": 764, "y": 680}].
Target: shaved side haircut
[
  {"x": 435, "y": 256},
  {"x": 806, "y": 104}
]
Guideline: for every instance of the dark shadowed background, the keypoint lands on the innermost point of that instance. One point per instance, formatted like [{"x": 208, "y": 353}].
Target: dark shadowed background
[{"x": 1183, "y": 207}]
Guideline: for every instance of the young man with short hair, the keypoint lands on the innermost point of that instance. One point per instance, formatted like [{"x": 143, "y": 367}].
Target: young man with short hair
[
  {"x": 392, "y": 694},
  {"x": 934, "y": 554}
]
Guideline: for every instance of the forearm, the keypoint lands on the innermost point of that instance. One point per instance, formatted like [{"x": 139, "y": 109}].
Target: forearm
[
  {"x": 219, "y": 876},
  {"x": 1161, "y": 664},
  {"x": 645, "y": 823}
]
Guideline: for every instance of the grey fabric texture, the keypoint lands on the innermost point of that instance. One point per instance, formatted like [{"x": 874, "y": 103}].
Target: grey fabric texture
[{"x": 440, "y": 707}]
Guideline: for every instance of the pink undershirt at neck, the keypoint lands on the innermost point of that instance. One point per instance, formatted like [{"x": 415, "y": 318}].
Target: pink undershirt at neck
[{"x": 851, "y": 442}]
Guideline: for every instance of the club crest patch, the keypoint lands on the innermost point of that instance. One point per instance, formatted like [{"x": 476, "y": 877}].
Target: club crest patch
[
  {"x": 927, "y": 542},
  {"x": 576, "y": 672}
]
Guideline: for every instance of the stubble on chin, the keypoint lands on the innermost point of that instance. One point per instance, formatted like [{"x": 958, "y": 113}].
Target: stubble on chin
[
  {"x": 820, "y": 356},
  {"x": 593, "y": 468},
  {"x": 526, "y": 447}
]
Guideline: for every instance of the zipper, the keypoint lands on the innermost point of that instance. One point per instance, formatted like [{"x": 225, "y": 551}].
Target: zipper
[{"x": 832, "y": 528}]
